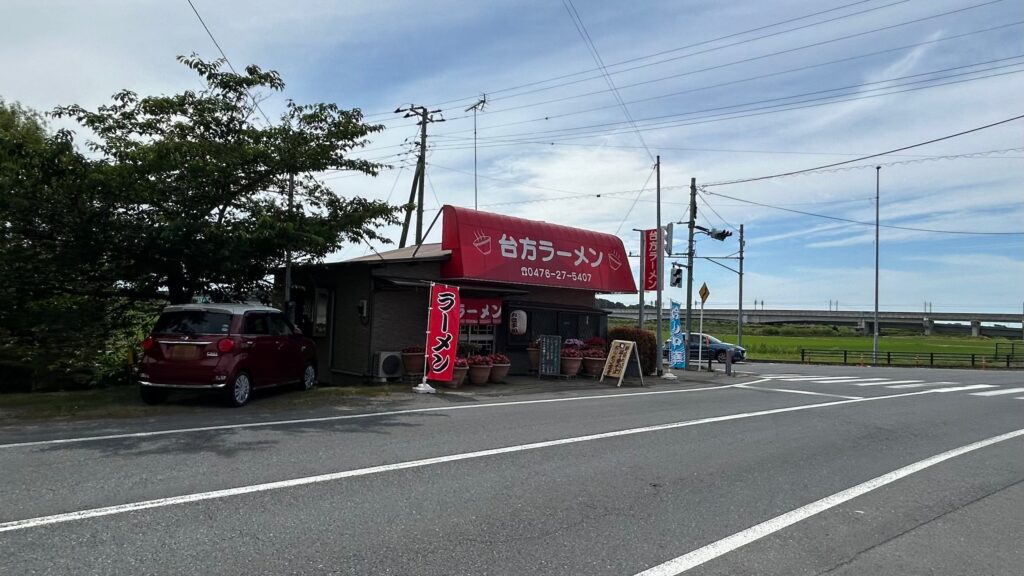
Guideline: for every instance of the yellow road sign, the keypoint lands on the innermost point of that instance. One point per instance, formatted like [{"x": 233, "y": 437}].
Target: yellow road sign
[{"x": 704, "y": 292}]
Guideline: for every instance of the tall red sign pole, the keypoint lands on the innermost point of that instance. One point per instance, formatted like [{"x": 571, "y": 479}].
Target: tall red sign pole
[{"x": 442, "y": 336}]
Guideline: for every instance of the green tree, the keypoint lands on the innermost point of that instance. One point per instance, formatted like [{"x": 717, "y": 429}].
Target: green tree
[
  {"x": 202, "y": 190},
  {"x": 57, "y": 296}
]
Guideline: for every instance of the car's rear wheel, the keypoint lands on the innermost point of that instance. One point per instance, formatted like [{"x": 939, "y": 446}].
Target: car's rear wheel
[
  {"x": 238, "y": 392},
  {"x": 721, "y": 357},
  {"x": 308, "y": 377},
  {"x": 152, "y": 395}
]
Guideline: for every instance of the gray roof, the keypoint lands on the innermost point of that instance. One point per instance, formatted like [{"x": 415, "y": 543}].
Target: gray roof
[
  {"x": 425, "y": 252},
  {"x": 231, "y": 308}
]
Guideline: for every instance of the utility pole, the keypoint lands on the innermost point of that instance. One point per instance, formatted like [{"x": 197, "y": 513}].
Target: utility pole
[
  {"x": 476, "y": 108},
  {"x": 289, "y": 310},
  {"x": 418, "y": 181},
  {"x": 689, "y": 257},
  {"x": 874, "y": 344},
  {"x": 739, "y": 314},
  {"x": 661, "y": 264}
]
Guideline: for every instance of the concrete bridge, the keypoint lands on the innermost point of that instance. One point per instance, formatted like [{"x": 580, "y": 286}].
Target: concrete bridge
[{"x": 862, "y": 319}]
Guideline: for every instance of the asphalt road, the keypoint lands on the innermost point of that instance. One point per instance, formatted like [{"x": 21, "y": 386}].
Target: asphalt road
[{"x": 794, "y": 470}]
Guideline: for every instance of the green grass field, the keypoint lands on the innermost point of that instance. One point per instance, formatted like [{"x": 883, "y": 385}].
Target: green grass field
[{"x": 787, "y": 347}]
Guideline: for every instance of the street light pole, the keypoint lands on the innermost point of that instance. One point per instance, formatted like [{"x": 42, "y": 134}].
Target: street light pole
[
  {"x": 661, "y": 265},
  {"x": 689, "y": 257},
  {"x": 739, "y": 313},
  {"x": 874, "y": 344}
]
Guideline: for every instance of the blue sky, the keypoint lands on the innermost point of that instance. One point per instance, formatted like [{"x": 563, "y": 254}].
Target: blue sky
[{"x": 720, "y": 90}]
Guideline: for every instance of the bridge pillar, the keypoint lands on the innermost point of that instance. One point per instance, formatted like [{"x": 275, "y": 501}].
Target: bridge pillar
[
  {"x": 929, "y": 326},
  {"x": 975, "y": 328}
]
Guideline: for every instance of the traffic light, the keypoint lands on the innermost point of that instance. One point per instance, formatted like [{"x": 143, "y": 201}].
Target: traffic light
[
  {"x": 719, "y": 234},
  {"x": 676, "y": 281},
  {"x": 668, "y": 239}
]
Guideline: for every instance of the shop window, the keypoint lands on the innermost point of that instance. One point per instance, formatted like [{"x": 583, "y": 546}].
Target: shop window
[{"x": 477, "y": 336}]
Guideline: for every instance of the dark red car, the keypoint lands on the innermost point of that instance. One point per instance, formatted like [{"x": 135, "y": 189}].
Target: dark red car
[{"x": 231, "y": 348}]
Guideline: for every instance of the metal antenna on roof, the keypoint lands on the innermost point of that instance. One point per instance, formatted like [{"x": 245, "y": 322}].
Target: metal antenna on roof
[{"x": 475, "y": 108}]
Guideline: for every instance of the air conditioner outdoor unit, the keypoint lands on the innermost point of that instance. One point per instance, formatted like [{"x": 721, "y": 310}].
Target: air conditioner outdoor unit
[{"x": 387, "y": 365}]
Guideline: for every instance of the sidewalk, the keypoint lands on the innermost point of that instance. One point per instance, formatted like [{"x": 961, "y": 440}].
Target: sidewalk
[{"x": 519, "y": 385}]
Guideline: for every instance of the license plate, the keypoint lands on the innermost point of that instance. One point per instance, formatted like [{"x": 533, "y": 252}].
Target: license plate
[{"x": 184, "y": 352}]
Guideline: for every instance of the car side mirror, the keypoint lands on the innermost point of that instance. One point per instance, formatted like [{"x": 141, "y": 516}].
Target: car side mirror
[{"x": 297, "y": 331}]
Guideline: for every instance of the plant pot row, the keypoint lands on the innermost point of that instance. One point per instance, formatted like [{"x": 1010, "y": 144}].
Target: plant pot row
[
  {"x": 570, "y": 366},
  {"x": 479, "y": 374}
]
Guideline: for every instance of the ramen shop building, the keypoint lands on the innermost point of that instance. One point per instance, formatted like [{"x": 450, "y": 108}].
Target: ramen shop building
[{"x": 518, "y": 279}]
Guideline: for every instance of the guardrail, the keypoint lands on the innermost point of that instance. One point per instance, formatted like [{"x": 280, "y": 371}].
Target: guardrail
[{"x": 933, "y": 359}]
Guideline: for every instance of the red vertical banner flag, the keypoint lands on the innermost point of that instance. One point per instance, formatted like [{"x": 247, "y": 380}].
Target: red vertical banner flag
[
  {"x": 650, "y": 270},
  {"x": 442, "y": 332}
]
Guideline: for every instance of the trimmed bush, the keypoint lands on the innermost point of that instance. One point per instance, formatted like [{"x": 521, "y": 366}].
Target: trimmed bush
[{"x": 646, "y": 343}]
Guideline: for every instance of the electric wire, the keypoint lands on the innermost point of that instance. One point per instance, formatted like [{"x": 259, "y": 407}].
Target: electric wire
[
  {"x": 592, "y": 47},
  {"x": 887, "y": 84},
  {"x": 653, "y": 55},
  {"x": 865, "y": 223},
  {"x": 711, "y": 86},
  {"x": 768, "y": 110},
  {"x": 869, "y": 156}
]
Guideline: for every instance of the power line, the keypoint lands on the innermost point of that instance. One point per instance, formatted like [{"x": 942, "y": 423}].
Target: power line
[
  {"x": 764, "y": 111},
  {"x": 227, "y": 60},
  {"x": 678, "y": 49},
  {"x": 582, "y": 29},
  {"x": 919, "y": 144},
  {"x": 861, "y": 222},
  {"x": 777, "y": 53},
  {"x": 638, "y": 194},
  {"x": 712, "y": 86},
  {"x": 738, "y": 108}
]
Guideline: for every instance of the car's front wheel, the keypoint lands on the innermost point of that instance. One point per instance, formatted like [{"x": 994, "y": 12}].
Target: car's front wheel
[
  {"x": 721, "y": 356},
  {"x": 238, "y": 392}
]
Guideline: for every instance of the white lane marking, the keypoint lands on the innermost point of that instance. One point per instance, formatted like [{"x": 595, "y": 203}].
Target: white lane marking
[
  {"x": 200, "y": 496},
  {"x": 976, "y": 386},
  {"x": 999, "y": 392},
  {"x": 844, "y": 380},
  {"x": 350, "y": 417},
  {"x": 856, "y": 381},
  {"x": 961, "y": 388},
  {"x": 824, "y": 378},
  {"x": 742, "y": 538},
  {"x": 887, "y": 382},
  {"x": 746, "y": 387}
]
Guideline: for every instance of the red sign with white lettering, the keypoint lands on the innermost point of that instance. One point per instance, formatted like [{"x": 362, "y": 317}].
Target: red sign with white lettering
[
  {"x": 650, "y": 271},
  {"x": 487, "y": 246},
  {"x": 442, "y": 331},
  {"x": 480, "y": 311}
]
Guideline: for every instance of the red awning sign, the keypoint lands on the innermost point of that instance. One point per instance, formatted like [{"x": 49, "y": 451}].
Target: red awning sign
[
  {"x": 480, "y": 311},
  {"x": 501, "y": 248}
]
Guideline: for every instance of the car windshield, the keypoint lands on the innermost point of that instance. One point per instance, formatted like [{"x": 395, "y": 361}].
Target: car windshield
[{"x": 193, "y": 322}]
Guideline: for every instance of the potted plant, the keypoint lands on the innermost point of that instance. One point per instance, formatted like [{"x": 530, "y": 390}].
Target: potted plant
[
  {"x": 479, "y": 369},
  {"x": 412, "y": 359},
  {"x": 533, "y": 352},
  {"x": 596, "y": 342},
  {"x": 573, "y": 343},
  {"x": 499, "y": 367},
  {"x": 571, "y": 360},
  {"x": 459, "y": 373},
  {"x": 593, "y": 360}
]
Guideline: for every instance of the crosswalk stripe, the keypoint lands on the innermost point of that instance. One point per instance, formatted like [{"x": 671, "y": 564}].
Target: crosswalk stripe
[
  {"x": 900, "y": 386},
  {"x": 857, "y": 381},
  {"x": 962, "y": 388},
  {"x": 999, "y": 392},
  {"x": 821, "y": 378},
  {"x": 888, "y": 382}
]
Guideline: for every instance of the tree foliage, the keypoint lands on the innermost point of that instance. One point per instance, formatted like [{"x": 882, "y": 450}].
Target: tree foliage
[
  {"x": 176, "y": 196},
  {"x": 204, "y": 189}
]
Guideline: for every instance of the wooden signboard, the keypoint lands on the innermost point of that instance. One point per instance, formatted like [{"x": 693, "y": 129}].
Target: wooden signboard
[
  {"x": 550, "y": 356},
  {"x": 618, "y": 360}
]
